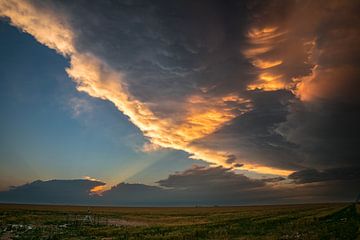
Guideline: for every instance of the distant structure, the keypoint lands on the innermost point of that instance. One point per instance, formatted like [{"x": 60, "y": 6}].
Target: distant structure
[
  {"x": 358, "y": 199},
  {"x": 88, "y": 218}
]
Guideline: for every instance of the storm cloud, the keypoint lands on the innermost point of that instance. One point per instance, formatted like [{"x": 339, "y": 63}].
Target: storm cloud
[
  {"x": 331, "y": 174},
  {"x": 269, "y": 87},
  {"x": 195, "y": 186},
  {"x": 217, "y": 177},
  {"x": 53, "y": 191}
]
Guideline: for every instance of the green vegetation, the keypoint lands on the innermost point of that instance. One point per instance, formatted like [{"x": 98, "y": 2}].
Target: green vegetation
[{"x": 312, "y": 221}]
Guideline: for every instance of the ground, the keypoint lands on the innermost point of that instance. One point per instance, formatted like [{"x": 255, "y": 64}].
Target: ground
[{"x": 310, "y": 221}]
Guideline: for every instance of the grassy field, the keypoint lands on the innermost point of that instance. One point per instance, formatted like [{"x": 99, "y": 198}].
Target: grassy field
[{"x": 313, "y": 221}]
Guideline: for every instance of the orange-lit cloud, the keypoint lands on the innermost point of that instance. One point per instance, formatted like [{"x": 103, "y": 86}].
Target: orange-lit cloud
[
  {"x": 255, "y": 51},
  {"x": 263, "y": 64},
  {"x": 46, "y": 26},
  {"x": 203, "y": 117},
  {"x": 314, "y": 55},
  {"x": 264, "y": 35},
  {"x": 261, "y": 41},
  {"x": 335, "y": 55},
  {"x": 325, "y": 83},
  {"x": 98, "y": 190},
  {"x": 265, "y": 170},
  {"x": 268, "y": 82}
]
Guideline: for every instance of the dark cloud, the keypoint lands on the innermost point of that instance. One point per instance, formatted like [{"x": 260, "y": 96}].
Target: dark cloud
[
  {"x": 168, "y": 51},
  {"x": 325, "y": 133},
  {"x": 331, "y": 174},
  {"x": 231, "y": 159},
  {"x": 252, "y": 137},
  {"x": 134, "y": 194},
  {"x": 194, "y": 186},
  {"x": 197, "y": 185},
  {"x": 52, "y": 191},
  {"x": 200, "y": 177},
  {"x": 274, "y": 179}
]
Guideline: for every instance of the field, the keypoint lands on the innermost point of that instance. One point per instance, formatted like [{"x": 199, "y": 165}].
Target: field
[{"x": 313, "y": 221}]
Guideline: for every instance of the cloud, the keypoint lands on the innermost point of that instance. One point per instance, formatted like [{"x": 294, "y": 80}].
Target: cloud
[
  {"x": 252, "y": 138},
  {"x": 251, "y": 85},
  {"x": 334, "y": 54},
  {"x": 217, "y": 185},
  {"x": 198, "y": 116},
  {"x": 331, "y": 174},
  {"x": 52, "y": 191},
  {"x": 315, "y": 56},
  {"x": 136, "y": 194},
  {"x": 79, "y": 106},
  {"x": 196, "y": 186},
  {"x": 200, "y": 177},
  {"x": 310, "y": 51},
  {"x": 319, "y": 58},
  {"x": 324, "y": 133},
  {"x": 39, "y": 20}
]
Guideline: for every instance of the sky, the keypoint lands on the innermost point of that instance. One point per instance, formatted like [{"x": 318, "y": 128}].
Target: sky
[{"x": 179, "y": 103}]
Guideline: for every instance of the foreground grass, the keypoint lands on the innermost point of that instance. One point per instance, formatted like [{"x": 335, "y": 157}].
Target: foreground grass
[{"x": 315, "y": 221}]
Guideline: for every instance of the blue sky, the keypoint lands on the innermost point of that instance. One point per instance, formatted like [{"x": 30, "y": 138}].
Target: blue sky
[{"x": 50, "y": 130}]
